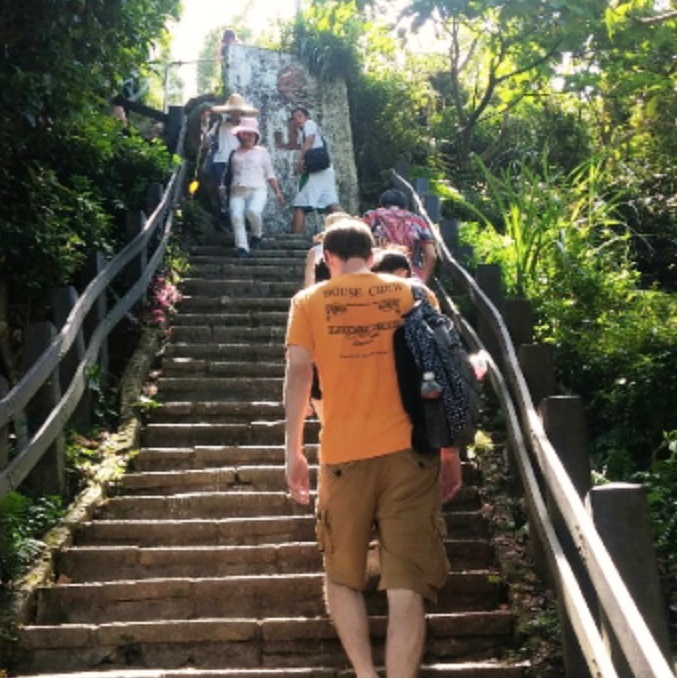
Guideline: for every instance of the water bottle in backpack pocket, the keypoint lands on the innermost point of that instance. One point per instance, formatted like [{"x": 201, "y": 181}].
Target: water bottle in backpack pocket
[{"x": 436, "y": 427}]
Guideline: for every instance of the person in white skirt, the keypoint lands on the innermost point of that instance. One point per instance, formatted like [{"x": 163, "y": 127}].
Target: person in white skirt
[{"x": 317, "y": 190}]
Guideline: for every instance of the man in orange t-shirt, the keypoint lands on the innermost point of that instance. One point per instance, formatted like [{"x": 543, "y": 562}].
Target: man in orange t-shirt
[{"x": 370, "y": 480}]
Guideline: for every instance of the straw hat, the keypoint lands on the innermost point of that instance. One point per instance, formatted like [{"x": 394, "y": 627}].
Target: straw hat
[{"x": 236, "y": 103}]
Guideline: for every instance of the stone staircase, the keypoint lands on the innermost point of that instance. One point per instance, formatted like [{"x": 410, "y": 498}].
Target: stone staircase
[{"x": 200, "y": 565}]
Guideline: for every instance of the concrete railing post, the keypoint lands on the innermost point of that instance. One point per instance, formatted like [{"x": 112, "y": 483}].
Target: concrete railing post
[
  {"x": 154, "y": 194},
  {"x": 135, "y": 224},
  {"x": 621, "y": 515},
  {"x": 564, "y": 424},
  {"x": 449, "y": 234},
  {"x": 537, "y": 362},
  {"x": 489, "y": 280},
  {"x": 48, "y": 476},
  {"x": 421, "y": 185},
  {"x": 518, "y": 316},
  {"x": 433, "y": 207},
  {"x": 93, "y": 266},
  {"x": 63, "y": 301}
]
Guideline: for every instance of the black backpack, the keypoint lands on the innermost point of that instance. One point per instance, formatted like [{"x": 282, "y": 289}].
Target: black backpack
[{"x": 428, "y": 341}]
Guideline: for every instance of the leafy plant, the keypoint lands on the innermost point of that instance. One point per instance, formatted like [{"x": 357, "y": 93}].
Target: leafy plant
[
  {"x": 660, "y": 483},
  {"x": 22, "y": 522}
]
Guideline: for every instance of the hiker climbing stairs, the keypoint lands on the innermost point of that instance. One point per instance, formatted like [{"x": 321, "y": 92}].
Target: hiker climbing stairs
[{"x": 199, "y": 564}]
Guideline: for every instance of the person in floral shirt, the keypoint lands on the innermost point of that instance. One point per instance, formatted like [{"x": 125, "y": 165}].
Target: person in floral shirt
[{"x": 392, "y": 224}]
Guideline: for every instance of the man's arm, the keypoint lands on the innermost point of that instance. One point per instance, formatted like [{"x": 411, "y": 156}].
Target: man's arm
[
  {"x": 451, "y": 472},
  {"x": 297, "y": 383}
]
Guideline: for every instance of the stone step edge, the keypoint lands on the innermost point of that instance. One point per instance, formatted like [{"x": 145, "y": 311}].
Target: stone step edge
[
  {"x": 484, "y": 669},
  {"x": 74, "y": 636}
]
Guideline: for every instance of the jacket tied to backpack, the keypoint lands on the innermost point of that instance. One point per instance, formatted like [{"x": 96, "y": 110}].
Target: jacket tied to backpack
[{"x": 428, "y": 341}]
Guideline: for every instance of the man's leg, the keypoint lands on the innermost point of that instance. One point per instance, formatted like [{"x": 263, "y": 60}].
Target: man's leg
[
  {"x": 406, "y": 633},
  {"x": 348, "y": 612},
  {"x": 298, "y": 220}
]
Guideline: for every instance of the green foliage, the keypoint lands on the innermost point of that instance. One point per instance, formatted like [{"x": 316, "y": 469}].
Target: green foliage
[
  {"x": 22, "y": 522},
  {"x": 560, "y": 242},
  {"x": 67, "y": 169},
  {"x": 326, "y": 40},
  {"x": 660, "y": 483},
  {"x": 387, "y": 87}
]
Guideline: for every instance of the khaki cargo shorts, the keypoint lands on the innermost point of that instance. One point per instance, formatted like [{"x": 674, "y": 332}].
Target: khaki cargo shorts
[{"x": 394, "y": 498}]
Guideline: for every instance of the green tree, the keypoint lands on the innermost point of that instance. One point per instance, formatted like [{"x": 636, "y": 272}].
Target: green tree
[{"x": 61, "y": 63}]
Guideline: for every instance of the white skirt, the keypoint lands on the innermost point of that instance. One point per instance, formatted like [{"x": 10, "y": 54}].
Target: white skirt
[{"x": 317, "y": 190}]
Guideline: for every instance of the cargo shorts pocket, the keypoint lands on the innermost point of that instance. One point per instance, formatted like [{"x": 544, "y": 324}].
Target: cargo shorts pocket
[{"x": 323, "y": 532}]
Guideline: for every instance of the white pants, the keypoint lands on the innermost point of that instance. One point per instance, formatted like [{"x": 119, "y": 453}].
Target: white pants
[{"x": 247, "y": 203}]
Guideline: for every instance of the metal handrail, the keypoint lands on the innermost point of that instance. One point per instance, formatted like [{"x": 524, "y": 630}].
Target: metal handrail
[{"x": 534, "y": 452}]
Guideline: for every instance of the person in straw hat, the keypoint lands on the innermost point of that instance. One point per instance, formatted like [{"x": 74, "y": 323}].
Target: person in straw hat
[{"x": 251, "y": 173}]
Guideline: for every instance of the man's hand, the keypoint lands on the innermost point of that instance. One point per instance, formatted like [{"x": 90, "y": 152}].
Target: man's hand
[
  {"x": 298, "y": 477},
  {"x": 298, "y": 378},
  {"x": 451, "y": 473}
]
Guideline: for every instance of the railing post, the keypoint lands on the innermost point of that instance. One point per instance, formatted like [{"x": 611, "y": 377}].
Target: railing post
[
  {"x": 621, "y": 515},
  {"x": 449, "y": 234},
  {"x": 63, "y": 301},
  {"x": 48, "y": 475},
  {"x": 154, "y": 194},
  {"x": 421, "y": 185},
  {"x": 135, "y": 223},
  {"x": 433, "y": 207},
  {"x": 519, "y": 319},
  {"x": 4, "y": 432},
  {"x": 564, "y": 424},
  {"x": 537, "y": 362},
  {"x": 489, "y": 280},
  {"x": 92, "y": 268}
]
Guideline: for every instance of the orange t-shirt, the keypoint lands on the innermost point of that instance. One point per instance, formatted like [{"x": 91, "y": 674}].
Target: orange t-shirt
[{"x": 347, "y": 325}]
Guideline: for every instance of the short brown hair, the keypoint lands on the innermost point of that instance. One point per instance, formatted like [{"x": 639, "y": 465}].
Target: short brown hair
[{"x": 348, "y": 238}]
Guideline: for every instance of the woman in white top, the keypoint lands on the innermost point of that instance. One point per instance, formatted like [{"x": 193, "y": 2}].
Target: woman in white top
[
  {"x": 317, "y": 191},
  {"x": 251, "y": 174}
]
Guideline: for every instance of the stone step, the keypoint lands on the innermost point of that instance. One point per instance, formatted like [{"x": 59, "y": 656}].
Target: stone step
[
  {"x": 479, "y": 669},
  {"x": 106, "y": 563},
  {"x": 176, "y": 367},
  {"x": 296, "y": 595},
  {"x": 228, "y": 334},
  {"x": 234, "y": 531},
  {"x": 230, "y": 502},
  {"x": 188, "y": 434},
  {"x": 273, "y": 644},
  {"x": 259, "y": 269},
  {"x": 216, "y": 456},
  {"x": 289, "y": 246},
  {"x": 208, "y": 456},
  {"x": 194, "y": 532},
  {"x": 243, "y": 352},
  {"x": 215, "y": 388},
  {"x": 241, "y": 478},
  {"x": 240, "y": 288},
  {"x": 226, "y": 318},
  {"x": 214, "y": 411},
  {"x": 201, "y": 304}
]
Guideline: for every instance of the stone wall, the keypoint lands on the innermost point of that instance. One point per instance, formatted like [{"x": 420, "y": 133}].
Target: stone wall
[{"x": 275, "y": 82}]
